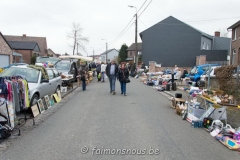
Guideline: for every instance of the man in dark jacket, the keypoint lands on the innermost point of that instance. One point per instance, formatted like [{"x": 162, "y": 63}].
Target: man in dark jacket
[
  {"x": 98, "y": 69},
  {"x": 111, "y": 72},
  {"x": 94, "y": 68}
]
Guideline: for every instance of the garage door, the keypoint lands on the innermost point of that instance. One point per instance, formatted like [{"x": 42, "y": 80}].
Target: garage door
[{"x": 4, "y": 60}]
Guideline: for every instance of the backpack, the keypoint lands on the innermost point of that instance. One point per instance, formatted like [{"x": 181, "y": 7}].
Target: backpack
[{"x": 3, "y": 86}]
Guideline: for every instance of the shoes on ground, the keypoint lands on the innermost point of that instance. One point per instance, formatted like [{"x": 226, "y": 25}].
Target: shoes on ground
[
  {"x": 124, "y": 94},
  {"x": 113, "y": 92}
]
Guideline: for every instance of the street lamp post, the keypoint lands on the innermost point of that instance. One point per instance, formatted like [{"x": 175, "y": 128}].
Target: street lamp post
[
  {"x": 106, "y": 49},
  {"x": 136, "y": 51},
  {"x": 93, "y": 53}
]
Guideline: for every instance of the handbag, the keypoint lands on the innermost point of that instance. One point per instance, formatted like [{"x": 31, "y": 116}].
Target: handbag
[{"x": 127, "y": 80}]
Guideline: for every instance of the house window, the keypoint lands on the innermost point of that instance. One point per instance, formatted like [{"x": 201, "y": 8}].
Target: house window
[
  {"x": 235, "y": 34},
  {"x": 203, "y": 45},
  {"x": 233, "y": 56}
]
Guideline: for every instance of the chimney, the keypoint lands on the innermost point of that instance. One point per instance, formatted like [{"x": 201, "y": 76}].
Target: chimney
[{"x": 217, "y": 34}]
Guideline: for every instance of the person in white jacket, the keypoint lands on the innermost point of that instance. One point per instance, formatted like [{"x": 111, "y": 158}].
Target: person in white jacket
[{"x": 103, "y": 68}]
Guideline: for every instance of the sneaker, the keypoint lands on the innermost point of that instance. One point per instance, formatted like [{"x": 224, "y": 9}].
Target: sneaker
[
  {"x": 113, "y": 92},
  {"x": 124, "y": 94}
]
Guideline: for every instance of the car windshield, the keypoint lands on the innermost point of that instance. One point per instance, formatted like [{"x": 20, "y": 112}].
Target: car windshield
[
  {"x": 207, "y": 71},
  {"x": 62, "y": 66},
  {"x": 51, "y": 60},
  {"x": 193, "y": 71},
  {"x": 31, "y": 75}
]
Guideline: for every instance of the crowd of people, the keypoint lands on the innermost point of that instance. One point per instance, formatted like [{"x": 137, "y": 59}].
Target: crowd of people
[{"x": 111, "y": 70}]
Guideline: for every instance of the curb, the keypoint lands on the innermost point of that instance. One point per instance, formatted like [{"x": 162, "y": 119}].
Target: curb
[{"x": 63, "y": 96}]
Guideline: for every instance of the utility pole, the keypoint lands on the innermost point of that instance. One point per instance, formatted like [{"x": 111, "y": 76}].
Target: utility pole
[
  {"x": 106, "y": 50},
  {"x": 136, "y": 50}
]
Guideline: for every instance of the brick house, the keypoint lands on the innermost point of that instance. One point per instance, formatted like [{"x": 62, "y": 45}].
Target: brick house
[
  {"x": 27, "y": 49},
  {"x": 41, "y": 41},
  {"x": 235, "y": 47},
  {"x": 6, "y": 52},
  {"x": 131, "y": 51}
]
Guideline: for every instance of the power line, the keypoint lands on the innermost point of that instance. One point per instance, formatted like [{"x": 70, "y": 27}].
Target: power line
[
  {"x": 144, "y": 9},
  {"x": 125, "y": 29}
]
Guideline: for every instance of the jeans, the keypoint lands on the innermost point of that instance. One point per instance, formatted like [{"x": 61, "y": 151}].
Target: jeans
[
  {"x": 99, "y": 79},
  {"x": 112, "y": 80},
  {"x": 103, "y": 76},
  {"x": 83, "y": 85},
  {"x": 123, "y": 87}
]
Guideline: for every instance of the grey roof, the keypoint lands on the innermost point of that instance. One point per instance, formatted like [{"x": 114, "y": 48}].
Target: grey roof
[
  {"x": 222, "y": 43},
  {"x": 108, "y": 51},
  {"x": 23, "y": 45},
  {"x": 5, "y": 40},
  {"x": 132, "y": 47},
  {"x": 174, "y": 21},
  {"x": 129, "y": 59},
  {"x": 234, "y": 25}
]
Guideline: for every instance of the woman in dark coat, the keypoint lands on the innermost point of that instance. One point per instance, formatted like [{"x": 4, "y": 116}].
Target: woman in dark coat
[
  {"x": 123, "y": 74},
  {"x": 82, "y": 72}
]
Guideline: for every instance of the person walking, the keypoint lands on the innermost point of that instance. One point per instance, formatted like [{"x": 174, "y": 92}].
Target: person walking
[
  {"x": 112, "y": 72},
  {"x": 103, "y": 69},
  {"x": 98, "y": 69},
  {"x": 133, "y": 69},
  {"x": 83, "y": 69},
  {"x": 94, "y": 66},
  {"x": 123, "y": 75}
]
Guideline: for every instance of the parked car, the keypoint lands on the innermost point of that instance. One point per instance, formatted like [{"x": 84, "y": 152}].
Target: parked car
[
  {"x": 68, "y": 68},
  {"x": 204, "y": 76},
  {"x": 38, "y": 87},
  {"x": 50, "y": 60},
  {"x": 14, "y": 64},
  {"x": 197, "y": 71}
]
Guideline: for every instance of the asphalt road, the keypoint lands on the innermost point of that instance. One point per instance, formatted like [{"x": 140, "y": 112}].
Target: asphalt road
[{"x": 139, "y": 126}]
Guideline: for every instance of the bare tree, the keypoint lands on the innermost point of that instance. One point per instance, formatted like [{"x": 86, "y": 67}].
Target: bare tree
[{"x": 77, "y": 37}]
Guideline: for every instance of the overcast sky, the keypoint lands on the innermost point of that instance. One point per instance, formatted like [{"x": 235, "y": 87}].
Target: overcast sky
[{"x": 106, "y": 19}]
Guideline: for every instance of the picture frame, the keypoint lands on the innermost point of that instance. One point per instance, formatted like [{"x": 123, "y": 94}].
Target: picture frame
[
  {"x": 59, "y": 95},
  {"x": 40, "y": 106},
  {"x": 56, "y": 98},
  {"x": 47, "y": 100},
  {"x": 64, "y": 89},
  {"x": 35, "y": 110},
  {"x": 44, "y": 103},
  {"x": 51, "y": 101}
]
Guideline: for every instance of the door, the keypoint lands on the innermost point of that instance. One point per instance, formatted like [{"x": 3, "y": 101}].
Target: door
[
  {"x": 4, "y": 60},
  {"x": 51, "y": 83}
]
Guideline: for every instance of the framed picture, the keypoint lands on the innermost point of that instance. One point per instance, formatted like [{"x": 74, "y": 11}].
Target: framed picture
[
  {"x": 51, "y": 100},
  {"x": 35, "y": 110},
  {"x": 64, "y": 89},
  {"x": 44, "y": 104},
  {"x": 47, "y": 100},
  {"x": 40, "y": 106},
  {"x": 56, "y": 98},
  {"x": 59, "y": 95}
]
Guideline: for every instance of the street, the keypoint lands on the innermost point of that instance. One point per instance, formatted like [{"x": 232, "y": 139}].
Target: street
[{"x": 95, "y": 124}]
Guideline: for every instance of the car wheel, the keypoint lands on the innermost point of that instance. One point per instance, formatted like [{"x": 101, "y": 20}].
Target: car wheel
[
  {"x": 198, "y": 84},
  {"x": 34, "y": 99}
]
